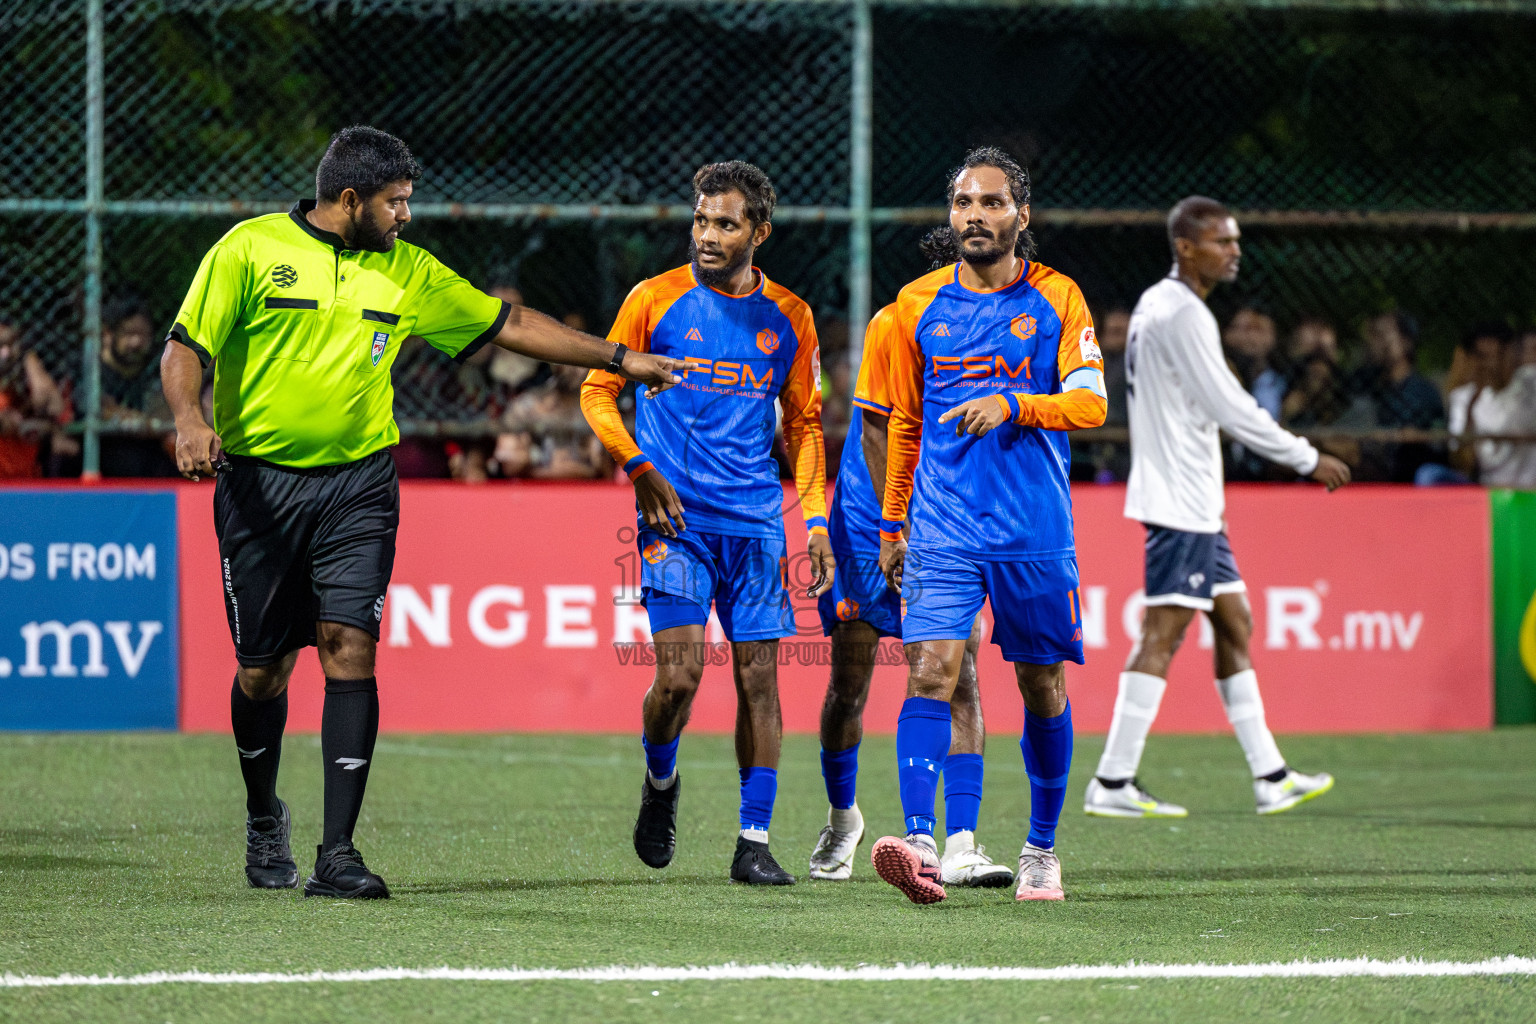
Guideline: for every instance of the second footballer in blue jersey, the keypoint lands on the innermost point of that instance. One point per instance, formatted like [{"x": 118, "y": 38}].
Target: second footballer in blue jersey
[
  {"x": 708, "y": 498},
  {"x": 856, "y": 613}
]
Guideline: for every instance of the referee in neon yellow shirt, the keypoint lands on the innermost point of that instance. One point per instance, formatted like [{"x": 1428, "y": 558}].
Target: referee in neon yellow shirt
[{"x": 302, "y": 315}]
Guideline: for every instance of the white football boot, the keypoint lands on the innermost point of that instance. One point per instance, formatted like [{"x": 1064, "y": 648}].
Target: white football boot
[
  {"x": 967, "y": 865},
  {"x": 832, "y": 859},
  {"x": 1039, "y": 875},
  {"x": 1295, "y": 788},
  {"x": 1127, "y": 801}
]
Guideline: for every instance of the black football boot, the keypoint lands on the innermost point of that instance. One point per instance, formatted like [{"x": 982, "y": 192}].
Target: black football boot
[
  {"x": 656, "y": 827},
  {"x": 340, "y": 872},
  {"x": 268, "y": 860},
  {"x": 754, "y": 865}
]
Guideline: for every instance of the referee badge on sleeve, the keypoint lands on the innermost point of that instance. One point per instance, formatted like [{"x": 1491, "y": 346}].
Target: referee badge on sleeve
[{"x": 380, "y": 343}]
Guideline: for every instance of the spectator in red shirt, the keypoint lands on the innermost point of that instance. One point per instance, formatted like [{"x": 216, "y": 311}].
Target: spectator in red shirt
[{"x": 31, "y": 404}]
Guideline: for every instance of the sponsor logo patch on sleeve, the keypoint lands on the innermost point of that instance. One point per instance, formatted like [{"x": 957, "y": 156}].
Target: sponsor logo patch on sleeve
[{"x": 1088, "y": 346}]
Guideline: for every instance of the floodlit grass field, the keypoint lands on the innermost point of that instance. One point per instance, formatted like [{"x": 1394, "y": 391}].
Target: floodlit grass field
[{"x": 122, "y": 854}]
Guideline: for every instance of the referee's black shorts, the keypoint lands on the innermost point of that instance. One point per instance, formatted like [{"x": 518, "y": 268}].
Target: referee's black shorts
[{"x": 299, "y": 546}]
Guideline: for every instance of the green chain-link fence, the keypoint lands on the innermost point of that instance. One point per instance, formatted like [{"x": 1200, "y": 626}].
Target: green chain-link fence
[{"x": 1382, "y": 155}]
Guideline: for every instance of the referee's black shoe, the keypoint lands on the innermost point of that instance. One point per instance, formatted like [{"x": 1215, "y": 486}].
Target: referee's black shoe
[
  {"x": 754, "y": 865},
  {"x": 268, "y": 860},
  {"x": 656, "y": 828},
  {"x": 340, "y": 872}
]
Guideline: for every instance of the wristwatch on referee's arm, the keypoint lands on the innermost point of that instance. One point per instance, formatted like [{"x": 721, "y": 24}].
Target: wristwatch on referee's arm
[{"x": 616, "y": 364}]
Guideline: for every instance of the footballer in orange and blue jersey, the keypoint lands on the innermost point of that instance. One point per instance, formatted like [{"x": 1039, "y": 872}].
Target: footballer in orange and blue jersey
[
  {"x": 991, "y": 514},
  {"x": 859, "y": 591},
  {"x": 712, "y": 437}
]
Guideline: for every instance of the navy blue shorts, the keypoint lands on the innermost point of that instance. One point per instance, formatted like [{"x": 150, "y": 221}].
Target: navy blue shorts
[
  {"x": 1036, "y": 608},
  {"x": 743, "y": 577},
  {"x": 859, "y": 591},
  {"x": 1189, "y": 569}
]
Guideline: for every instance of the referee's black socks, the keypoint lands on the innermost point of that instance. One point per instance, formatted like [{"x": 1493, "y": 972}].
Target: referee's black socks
[
  {"x": 348, "y": 728},
  {"x": 258, "y": 728}
]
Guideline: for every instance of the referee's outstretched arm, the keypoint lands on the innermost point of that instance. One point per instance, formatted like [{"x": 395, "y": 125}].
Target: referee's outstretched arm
[{"x": 542, "y": 337}]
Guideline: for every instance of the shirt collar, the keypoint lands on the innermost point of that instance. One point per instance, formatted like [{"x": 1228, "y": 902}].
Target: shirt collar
[
  {"x": 757, "y": 289},
  {"x": 297, "y": 213}
]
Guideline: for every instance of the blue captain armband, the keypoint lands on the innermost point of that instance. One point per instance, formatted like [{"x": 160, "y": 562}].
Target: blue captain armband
[{"x": 1087, "y": 377}]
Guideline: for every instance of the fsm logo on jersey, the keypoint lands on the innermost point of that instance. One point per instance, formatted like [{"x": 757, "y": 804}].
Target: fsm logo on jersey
[{"x": 88, "y": 610}]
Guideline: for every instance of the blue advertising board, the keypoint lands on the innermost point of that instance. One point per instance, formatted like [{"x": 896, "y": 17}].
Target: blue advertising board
[{"x": 88, "y": 609}]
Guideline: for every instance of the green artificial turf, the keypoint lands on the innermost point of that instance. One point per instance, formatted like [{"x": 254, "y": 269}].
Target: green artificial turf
[{"x": 122, "y": 854}]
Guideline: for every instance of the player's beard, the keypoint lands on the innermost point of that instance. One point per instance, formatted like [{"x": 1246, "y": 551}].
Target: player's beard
[
  {"x": 368, "y": 235},
  {"x": 718, "y": 277},
  {"x": 995, "y": 252}
]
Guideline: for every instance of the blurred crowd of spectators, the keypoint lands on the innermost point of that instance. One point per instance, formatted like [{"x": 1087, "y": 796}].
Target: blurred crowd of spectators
[
  {"x": 1363, "y": 402},
  {"x": 36, "y": 408},
  {"x": 1354, "y": 399},
  {"x": 535, "y": 406}
]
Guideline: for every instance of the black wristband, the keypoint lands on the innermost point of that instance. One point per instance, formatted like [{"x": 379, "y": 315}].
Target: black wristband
[{"x": 616, "y": 364}]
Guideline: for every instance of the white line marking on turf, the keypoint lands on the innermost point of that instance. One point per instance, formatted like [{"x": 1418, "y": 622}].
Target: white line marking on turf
[
  {"x": 1362, "y": 967},
  {"x": 529, "y": 757}
]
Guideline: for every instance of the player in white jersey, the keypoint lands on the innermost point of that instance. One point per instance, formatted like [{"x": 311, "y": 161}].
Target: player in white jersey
[{"x": 1181, "y": 394}]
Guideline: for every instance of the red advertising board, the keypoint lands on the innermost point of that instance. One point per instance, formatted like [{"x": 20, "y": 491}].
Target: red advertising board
[{"x": 508, "y": 612}]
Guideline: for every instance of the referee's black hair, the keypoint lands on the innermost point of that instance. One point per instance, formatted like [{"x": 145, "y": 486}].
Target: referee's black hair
[
  {"x": 738, "y": 176},
  {"x": 365, "y": 160},
  {"x": 933, "y": 245},
  {"x": 1189, "y": 217}
]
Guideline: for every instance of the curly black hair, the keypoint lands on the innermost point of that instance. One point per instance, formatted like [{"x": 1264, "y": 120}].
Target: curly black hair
[
  {"x": 738, "y": 176},
  {"x": 940, "y": 247}
]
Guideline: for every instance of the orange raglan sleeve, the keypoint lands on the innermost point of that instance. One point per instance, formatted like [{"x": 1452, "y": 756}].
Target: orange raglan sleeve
[
  {"x": 800, "y": 399},
  {"x": 872, "y": 392},
  {"x": 904, "y": 362},
  {"x": 600, "y": 391},
  {"x": 1082, "y": 401}
]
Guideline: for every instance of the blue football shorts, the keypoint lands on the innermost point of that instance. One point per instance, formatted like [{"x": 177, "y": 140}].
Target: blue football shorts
[
  {"x": 1036, "y": 608},
  {"x": 744, "y": 577},
  {"x": 859, "y": 591}
]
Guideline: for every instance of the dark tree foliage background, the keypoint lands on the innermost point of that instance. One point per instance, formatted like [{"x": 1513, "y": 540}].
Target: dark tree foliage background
[{"x": 1112, "y": 108}]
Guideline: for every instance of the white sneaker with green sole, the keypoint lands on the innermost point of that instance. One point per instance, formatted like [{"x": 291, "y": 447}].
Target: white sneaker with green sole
[
  {"x": 1295, "y": 788},
  {"x": 1127, "y": 801}
]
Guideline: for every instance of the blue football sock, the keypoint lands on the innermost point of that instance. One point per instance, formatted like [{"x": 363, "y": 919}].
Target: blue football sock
[
  {"x": 841, "y": 770},
  {"x": 660, "y": 758},
  {"x": 758, "y": 788},
  {"x": 922, "y": 740},
  {"x": 962, "y": 792},
  {"x": 1047, "y": 746}
]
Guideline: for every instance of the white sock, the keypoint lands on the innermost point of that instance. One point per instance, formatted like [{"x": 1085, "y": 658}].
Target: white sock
[
  {"x": 846, "y": 821},
  {"x": 665, "y": 783},
  {"x": 1245, "y": 710},
  {"x": 1135, "y": 708},
  {"x": 757, "y": 835},
  {"x": 959, "y": 842}
]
